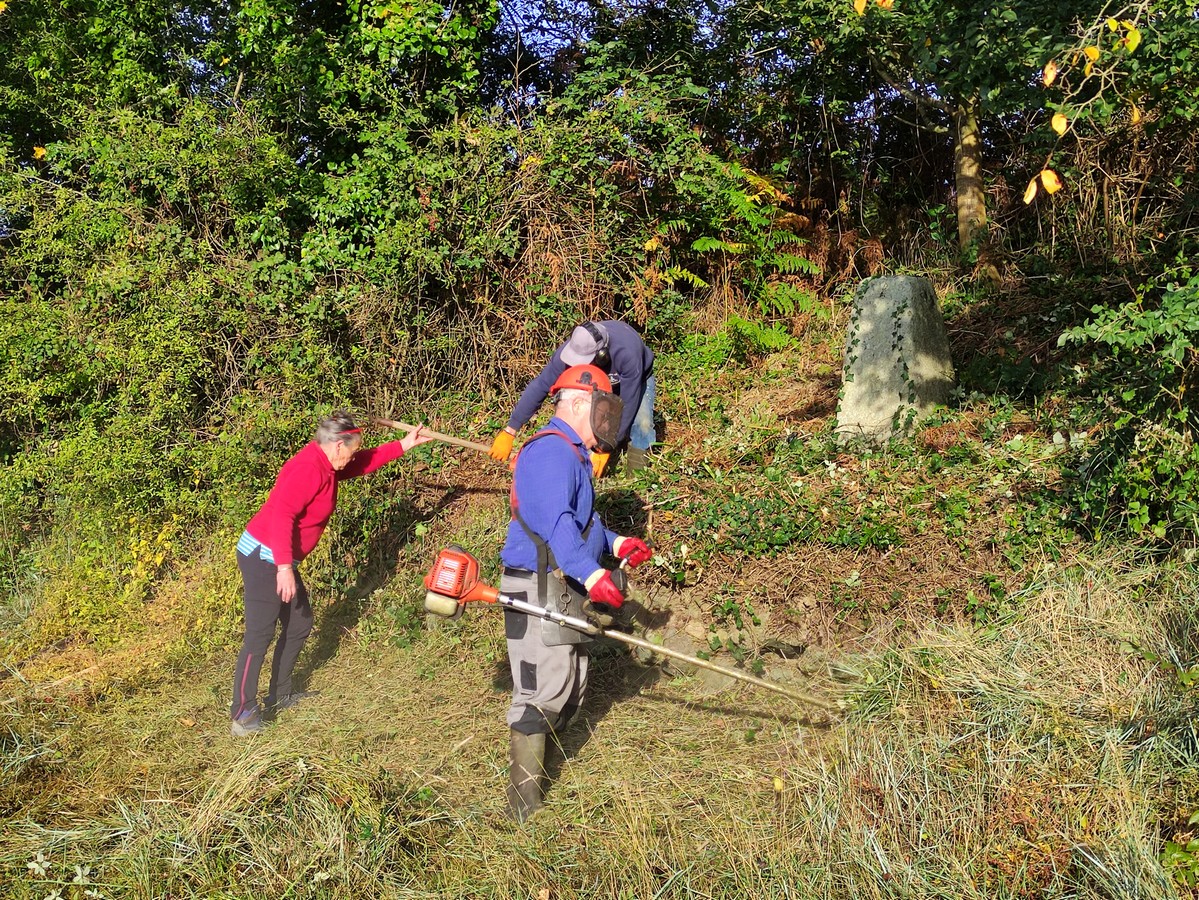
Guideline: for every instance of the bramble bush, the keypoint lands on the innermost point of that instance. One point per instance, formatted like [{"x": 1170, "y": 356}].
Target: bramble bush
[
  {"x": 1142, "y": 475},
  {"x": 181, "y": 296}
]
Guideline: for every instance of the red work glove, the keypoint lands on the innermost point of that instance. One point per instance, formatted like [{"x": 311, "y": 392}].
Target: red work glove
[
  {"x": 601, "y": 589},
  {"x": 633, "y": 550}
]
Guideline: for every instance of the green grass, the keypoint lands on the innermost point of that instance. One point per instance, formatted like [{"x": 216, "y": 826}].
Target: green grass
[
  {"x": 1019, "y": 719},
  {"x": 1039, "y": 761}
]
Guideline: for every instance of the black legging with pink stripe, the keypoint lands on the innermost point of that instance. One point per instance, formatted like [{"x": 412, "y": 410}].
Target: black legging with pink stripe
[{"x": 263, "y": 609}]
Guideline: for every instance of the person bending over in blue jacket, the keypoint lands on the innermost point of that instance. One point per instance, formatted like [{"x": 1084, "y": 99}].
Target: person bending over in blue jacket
[{"x": 617, "y": 349}]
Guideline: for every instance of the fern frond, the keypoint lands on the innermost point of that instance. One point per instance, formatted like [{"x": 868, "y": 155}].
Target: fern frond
[{"x": 678, "y": 273}]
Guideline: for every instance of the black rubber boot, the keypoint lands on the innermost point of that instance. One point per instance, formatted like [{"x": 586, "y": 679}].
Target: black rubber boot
[
  {"x": 634, "y": 460},
  {"x": 526, "y": 776}
]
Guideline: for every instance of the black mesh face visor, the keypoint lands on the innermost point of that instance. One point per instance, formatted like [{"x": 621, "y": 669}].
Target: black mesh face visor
[{"x": 605, "y": 419}]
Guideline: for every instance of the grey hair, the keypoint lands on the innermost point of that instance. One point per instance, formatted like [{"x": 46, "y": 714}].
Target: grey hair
[
  {"x": 565, "y": 395},
  {"x": 337, "y": 426}
]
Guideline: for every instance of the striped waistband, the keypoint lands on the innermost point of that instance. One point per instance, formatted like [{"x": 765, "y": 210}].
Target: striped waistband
[{"x": 248, "y": 545}]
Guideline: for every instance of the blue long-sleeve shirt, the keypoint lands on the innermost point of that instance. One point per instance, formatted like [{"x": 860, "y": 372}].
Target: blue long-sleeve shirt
[
  {"x": 553, "y": 491},
  {"x": 631, "y": 360}
]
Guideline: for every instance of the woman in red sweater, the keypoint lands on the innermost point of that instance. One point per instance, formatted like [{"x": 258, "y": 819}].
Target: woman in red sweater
[{"x": 281, "y": 533}]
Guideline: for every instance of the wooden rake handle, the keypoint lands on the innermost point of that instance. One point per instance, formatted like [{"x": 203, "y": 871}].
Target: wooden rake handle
[{"x": 436, "y": 435}]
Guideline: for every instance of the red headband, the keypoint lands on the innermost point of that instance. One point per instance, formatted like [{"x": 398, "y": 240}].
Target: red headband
[{"x": 351, "y": 431}]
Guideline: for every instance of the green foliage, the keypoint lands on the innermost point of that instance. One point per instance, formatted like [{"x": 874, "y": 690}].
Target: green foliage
[
  {"x": 1141, "y": 473},
  {"x": 1181, "y": 858},
  {"x": 751, "y": 340},
  {"x": 754, "y": 246}
]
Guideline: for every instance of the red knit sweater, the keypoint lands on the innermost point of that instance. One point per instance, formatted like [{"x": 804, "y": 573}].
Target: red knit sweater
[{"x": 304, "y": 496}]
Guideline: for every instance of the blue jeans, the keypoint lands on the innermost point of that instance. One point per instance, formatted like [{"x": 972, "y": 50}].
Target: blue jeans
[{"x": 641, "y": 433}]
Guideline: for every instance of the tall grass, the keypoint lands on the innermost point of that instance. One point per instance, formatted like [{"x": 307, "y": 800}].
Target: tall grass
[{"x": 1041, "y": 758}]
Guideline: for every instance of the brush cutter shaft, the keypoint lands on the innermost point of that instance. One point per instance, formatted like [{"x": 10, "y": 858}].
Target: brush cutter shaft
[
  {"x": 591, "y": 628},
  {"x": 437, "y": 436}
]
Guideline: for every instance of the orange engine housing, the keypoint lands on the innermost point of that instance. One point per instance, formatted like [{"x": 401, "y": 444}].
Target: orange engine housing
[{"x": 455, "y": 574}]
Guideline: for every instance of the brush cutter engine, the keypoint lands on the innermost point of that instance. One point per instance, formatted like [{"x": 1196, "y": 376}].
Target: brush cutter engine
[{"x": 453, "y": 582}]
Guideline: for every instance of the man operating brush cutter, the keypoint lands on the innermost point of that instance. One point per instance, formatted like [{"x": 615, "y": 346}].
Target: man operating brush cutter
[{"x": 551, "y": 558}]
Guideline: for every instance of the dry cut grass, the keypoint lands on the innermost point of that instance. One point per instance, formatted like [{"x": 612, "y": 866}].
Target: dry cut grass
[{"x": 1036, "y": 759}]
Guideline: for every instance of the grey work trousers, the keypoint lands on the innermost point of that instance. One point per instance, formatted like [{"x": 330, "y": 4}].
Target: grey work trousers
[
  {"x": 263, "y": 609},
  {"x": 548, "y": 682}
]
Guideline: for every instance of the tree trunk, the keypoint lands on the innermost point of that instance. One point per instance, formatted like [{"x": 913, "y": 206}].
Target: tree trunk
[{"x": 967, "y": 164}]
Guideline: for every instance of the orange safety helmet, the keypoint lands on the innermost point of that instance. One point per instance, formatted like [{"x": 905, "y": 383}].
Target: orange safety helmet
[{"x": 583, "y": 378}]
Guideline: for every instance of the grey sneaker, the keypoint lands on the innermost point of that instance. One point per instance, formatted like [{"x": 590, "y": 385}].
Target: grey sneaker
[
  {"x": 247, "y": 723},
  {"x": 634, "y": 460}
]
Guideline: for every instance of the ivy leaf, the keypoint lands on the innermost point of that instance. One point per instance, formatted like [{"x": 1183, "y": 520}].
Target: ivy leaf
[
  {"x": 1060, "y": 123},
  {"x": 1030, "y": 192}
]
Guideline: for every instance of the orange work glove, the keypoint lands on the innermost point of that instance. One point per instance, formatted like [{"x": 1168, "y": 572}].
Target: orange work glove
[
  {"x": 501, "y": 447},
  {"x": 598, "y": 461}
]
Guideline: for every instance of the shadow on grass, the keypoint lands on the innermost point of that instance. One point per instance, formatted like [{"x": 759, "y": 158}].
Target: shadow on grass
[
  {"x": 819, "y": 719},
  {"x": 612, "y": 677},
  {"x": 396, "y": 530}
]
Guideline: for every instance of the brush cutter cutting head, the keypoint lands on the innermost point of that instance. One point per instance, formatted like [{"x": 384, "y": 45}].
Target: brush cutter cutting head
[{"x": 455, "y": 575}]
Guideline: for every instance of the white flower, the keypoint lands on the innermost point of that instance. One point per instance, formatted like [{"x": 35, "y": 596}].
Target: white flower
[
  {"x": 81, "y": 873},
  {"x": 55, "y": 894},
  {"x": 38, "y": 865},
  {"x": 92, "y": 894}
]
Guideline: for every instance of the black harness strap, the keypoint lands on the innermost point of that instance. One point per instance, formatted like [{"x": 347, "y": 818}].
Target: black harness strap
[{"x": 545, "y": 556}]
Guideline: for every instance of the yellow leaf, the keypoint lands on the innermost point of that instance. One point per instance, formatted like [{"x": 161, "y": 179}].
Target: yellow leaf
[
  {"x": 39, "y": 152},
  {"x": 653, "y": 244},
  {"x": 1091, "y": 53},
  {"x": 1049, "y": 76},
  {"x": 1087, "y": 69},
  {"x": 886, "y": 4},
  {"x": 1132, "y": 40},
  {"x": 1136, "y": 114},
  {"x": 1060, "y": 123},
  {"x": 778, "y": 785},
  {"x": 1050, "y": 181},
  {"x": 1030, "y": 191},
  {"x": 859, "y": 6},
  {"x": 3, "y": 5},
  {"x": 1112, "y": 24}
]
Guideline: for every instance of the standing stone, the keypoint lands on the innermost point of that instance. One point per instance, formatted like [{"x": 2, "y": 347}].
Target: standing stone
[{"x": 897, "y": 363}]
